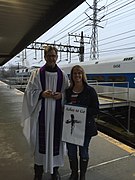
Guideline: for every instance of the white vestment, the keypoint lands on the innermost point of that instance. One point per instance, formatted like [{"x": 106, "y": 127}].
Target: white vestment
[{"x": 30, "y": 113}]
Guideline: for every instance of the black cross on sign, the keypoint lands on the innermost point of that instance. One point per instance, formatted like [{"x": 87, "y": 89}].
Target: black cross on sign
[{"x": 72, "y": 121}]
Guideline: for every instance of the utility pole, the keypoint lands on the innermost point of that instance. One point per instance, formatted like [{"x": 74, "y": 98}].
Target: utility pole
[
  {"x": 94, "y": 53},
  {"x": 81, "y": 58},
  {"x": 81, "y": 41},
  {"x": 23, "y": 59}
]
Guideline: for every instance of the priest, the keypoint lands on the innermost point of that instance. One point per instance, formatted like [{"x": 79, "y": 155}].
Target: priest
[{"x": 42, "y": 115}]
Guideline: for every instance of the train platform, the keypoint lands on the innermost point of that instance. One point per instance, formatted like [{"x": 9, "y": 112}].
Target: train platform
[{"x": 109, "y": 158}]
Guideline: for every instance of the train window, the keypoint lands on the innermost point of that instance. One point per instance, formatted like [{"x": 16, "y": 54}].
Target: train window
[
  {"x": 98, "y": 78},
  {"x": 117, "y": 78}
]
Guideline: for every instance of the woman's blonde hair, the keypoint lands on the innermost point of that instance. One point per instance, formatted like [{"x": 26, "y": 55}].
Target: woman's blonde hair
[{"x": 84, "y": 78}]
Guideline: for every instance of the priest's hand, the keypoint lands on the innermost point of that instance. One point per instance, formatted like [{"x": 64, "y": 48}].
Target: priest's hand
[
  {"x": 57, "y": 95},
  {"x": 47, "y": 94}
]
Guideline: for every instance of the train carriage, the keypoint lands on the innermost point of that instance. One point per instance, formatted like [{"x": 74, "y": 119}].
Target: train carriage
[{"x": 116, "y": 75}]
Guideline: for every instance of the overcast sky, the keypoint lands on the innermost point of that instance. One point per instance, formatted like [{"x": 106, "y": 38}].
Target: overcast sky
[{"x": 116, "y": 31}]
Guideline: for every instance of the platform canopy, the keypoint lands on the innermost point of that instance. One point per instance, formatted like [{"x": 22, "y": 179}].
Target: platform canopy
[{"x": 23, "y": 21}]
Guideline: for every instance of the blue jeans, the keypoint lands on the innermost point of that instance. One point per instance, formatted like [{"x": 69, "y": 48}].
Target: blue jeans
[{"x": 83, "y": 150}]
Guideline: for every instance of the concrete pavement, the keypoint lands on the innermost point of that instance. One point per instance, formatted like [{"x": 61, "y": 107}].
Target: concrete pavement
[{"x": 109, "y": 159}]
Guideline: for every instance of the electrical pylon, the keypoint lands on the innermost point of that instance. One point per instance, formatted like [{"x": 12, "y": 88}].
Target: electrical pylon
[{"x": 94, "y": 53}]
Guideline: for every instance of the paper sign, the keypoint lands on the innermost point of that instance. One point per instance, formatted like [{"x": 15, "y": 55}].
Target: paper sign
[{"x": 74, "y": 124}]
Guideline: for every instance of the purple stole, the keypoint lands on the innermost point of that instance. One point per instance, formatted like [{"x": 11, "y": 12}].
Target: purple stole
[{"x": 58, "y": 115}]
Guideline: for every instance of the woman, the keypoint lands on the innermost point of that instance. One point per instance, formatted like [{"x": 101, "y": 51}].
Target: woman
[{"x": 81, "y": 94}]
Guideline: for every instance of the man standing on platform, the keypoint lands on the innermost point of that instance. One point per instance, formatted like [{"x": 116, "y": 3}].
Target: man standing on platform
[{"x": 42, "y": 115}]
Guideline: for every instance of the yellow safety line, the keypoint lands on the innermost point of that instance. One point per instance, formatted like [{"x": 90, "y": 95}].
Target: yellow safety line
[{"x": 117, "y": 143}]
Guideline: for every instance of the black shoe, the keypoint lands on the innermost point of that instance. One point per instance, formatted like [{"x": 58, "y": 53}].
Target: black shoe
[
  {"x": 83, "y": 168},
  {"x": 74, "y": 169},
  {"x": 38, "y": 172},
  {"x": 73, "y": 176},
  {"x": 38, "y": 178},
  {"x": 82, "y": 177},
  {"x": 55, "y": 175}
]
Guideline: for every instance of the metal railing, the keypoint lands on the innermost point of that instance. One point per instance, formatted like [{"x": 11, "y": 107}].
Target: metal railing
[
  {"x": 114, "y": 92},
  {"x": 111, "y": 89},
  {"x": 18, "y": 82}
]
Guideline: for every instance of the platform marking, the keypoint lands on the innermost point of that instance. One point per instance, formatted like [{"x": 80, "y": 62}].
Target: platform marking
[
  {"x": 104, "y": 163},
  {"x": 1, "y": 82},
  {"x": 111, "y": 161},
  {"x": 117, "y": 143},
  {"x": 18, "y": 92}
]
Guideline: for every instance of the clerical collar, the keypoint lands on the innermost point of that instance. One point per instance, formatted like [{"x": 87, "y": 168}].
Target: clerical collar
[{"x": 50, "y": 69}]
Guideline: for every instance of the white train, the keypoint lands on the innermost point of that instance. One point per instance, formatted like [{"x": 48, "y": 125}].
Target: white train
[
  {"x": 114, "y": 78},
  {"x": 23, "y": 72}
]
